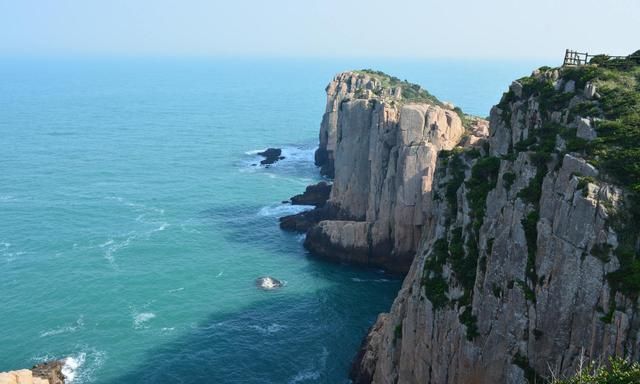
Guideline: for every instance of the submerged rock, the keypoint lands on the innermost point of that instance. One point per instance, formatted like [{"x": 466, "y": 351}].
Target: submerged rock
[
  {"x": 268, "y": 283},
  {"x": 271, "y": 155}
]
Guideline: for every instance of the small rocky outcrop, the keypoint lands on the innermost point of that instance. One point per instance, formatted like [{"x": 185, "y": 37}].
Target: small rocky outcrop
[
  {"x": 268, "y": 283},
  {"x": 301, "y": 222},
  {"x": 316, "y": 194},
  {"x": 271, "y": 155},
  {"x": 45, "y": 373}
]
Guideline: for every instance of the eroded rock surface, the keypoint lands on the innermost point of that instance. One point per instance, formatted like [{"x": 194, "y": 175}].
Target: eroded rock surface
[
  {"x": 45, "y": 373},
  {"x": 510, "y": 280},
  {"x": 381, "y": 150}
]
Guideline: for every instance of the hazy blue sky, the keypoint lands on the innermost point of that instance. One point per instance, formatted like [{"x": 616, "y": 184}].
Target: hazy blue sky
[{"x": 319, "y": 28}]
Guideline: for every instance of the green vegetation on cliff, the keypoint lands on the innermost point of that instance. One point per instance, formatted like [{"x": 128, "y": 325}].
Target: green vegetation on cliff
[
  {"x": 410, "y": 91},
  {"x": 614, "y": 109},
  {"x": 618, "y": 371}
]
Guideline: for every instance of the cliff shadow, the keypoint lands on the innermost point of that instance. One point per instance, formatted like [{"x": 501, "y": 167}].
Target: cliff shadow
[{"x": 282, "y": 338}]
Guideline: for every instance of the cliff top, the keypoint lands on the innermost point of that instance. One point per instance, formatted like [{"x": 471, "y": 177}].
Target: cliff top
[
  {"x": 403, "y": 91},
  {"x": 609, "y": 94},
  {"x": 410, "y": 92},
  {"x": 595, "y": 110}
]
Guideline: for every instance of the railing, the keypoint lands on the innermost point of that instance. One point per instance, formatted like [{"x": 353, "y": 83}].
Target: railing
[{"x": 574, "y": 58}]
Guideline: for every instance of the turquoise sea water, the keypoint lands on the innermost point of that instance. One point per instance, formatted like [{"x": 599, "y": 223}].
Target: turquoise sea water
[{"x": 133, "y": 223}]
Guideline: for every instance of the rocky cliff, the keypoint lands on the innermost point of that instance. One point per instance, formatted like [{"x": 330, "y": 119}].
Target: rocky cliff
[
  {"x": 528, "y": 258},
  {"x": 45, "y": 373},
  {"x": 379, "y": 140}
]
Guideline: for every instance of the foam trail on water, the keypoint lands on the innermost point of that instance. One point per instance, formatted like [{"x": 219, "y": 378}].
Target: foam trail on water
[
  {"x": 283, "y": 209},
  {"x": 67, "y": 329},
  {"x": 269, "y": 329},
  {"x": 140, "y": 319},
  {"x": 254, "y": 152}
]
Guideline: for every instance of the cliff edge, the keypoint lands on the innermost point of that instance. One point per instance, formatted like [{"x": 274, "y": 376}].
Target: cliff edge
[
  {"x": 528, "y": 261},
  {"x": 379, "y": 140}
]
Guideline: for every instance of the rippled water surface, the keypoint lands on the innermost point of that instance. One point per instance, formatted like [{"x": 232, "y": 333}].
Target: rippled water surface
[{"x": 133, "y": 222}]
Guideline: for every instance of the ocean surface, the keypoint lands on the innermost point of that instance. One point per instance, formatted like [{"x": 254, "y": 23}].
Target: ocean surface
[{"x": 134, "y": 222}]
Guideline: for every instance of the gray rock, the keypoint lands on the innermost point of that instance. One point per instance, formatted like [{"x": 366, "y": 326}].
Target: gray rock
[
  {"x": 585, "y": 130},
  {"x": 544, "y": 321},
  {"x": 570, "y": 86},
  {"x": 590, "y": 91}
]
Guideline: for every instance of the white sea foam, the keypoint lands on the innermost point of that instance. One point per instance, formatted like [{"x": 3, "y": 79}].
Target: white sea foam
[
  {"x": 299, "y": 154},
  {"x": 306, "y": 375},
  {"x": 312, "y": 373},
  {"x": 162, "y": 227},
  {"x": 112, "y": 246},
  {"x": 254, "y": 152},
  {"x": 7, "y": 253},
  {"x": 269, "y": 329},
  {"x": 219, "y": 273},
  {"x": 140, "y": 319},
  {"x": 72, "y": 365},
  {"x": 80, "y": 368},
  {"x": 359, "y": 280},
  {"x": 65, "y": 329},
  {"x": 283, "y": 209},
  {"x": 176, "y": 290}
]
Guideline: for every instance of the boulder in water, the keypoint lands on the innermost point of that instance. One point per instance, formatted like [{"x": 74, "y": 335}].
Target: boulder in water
[
  {"x": 268, "y": 283},
  {"x": 316, "y": 194},
  {"x": 271, "y": 155}
]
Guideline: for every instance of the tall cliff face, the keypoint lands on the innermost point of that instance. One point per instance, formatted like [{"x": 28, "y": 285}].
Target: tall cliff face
[
  {"x": 379, "y": 139},
  {"x": 528, "y": 256}
]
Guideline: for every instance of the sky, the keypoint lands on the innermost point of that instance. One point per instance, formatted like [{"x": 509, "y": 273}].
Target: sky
[{"x": 487, "y": 29}]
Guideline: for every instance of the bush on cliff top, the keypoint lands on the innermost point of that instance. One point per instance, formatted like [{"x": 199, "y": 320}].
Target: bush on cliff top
[
  {"x": 616, "y": 150},
  {"x": 618, "y": 371},
  {"x": 410, "y": 91}
]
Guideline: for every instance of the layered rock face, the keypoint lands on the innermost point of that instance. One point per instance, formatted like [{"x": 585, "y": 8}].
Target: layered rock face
[
  {"x": 381, "y": 150},
  {"x": 510, "y": 281}
]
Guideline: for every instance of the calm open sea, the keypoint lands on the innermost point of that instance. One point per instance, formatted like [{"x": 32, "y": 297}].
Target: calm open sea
[{"x": 133, "y": 223}]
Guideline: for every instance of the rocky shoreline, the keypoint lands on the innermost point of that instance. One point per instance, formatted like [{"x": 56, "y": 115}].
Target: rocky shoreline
[{"x": 44, "y": 373}]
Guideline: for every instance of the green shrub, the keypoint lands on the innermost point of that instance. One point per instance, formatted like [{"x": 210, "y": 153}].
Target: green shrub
[
  {"x": 530, "y": 374},
  {"x": 470, "y": 321},
  {"x": 456, "y": 169},
  {"x": 484, "y": 176},
  {"x": 397, "y": 331},
  {"x": 530, "y": 226},
  {"x": 507, "y": 179},
  {"x": 617, "y": 371}
]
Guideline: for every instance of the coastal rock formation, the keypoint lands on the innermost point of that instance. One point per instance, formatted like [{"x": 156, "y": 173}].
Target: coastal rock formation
[
  {"x": 526, "y": 263},
  {"x": 268, "y": 283},
  {"x": 379, "y": 140},
  {"x": 316, "y": 194},
  {"x": 45, "y": 373},
  {"x": 271, "y": 155}
]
